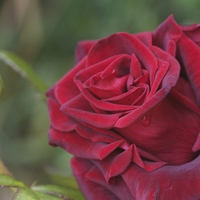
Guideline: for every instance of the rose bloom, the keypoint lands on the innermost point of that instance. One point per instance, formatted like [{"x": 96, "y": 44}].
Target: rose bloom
[{"x": 129, "y": 112}]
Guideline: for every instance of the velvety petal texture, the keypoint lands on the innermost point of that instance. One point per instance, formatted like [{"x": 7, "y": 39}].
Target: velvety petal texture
[{"x": 129, "y": 113}]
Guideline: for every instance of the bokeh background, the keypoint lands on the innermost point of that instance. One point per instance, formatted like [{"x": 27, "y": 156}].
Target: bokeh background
[{"x": 45, "y": 34}]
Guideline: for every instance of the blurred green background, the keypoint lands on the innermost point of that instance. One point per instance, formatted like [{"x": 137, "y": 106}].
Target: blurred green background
[{"x": 45, "y": 34}]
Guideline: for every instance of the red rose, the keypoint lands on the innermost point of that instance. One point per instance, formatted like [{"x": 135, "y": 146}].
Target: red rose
[{"x": 129, "y": 113}]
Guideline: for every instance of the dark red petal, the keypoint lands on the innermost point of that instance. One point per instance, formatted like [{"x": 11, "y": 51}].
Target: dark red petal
[
  {"x": 51, "y": 93},
  {"x": 75, "y": 144},
  {"x": 129, "y": 118},
  {"x": 193, "y": 32},
  {"x": 190, "y": 55},
  {"x": 97, "y": 136},
  {"x": 135, "y": 67},
  {"x": 133, "y": 97},
  {"x": 113, "y": 45},
  {"x": 147, "y": 165},
  {"x": 58, "y": 119},
  {"x": 123, "y": 43},
  {"x": 168, "y": 129},
  {"x": 196, "y": 146},
  {"x": 115, "y": 164},
  {"x": 169, "y": 80},
  {"x": 65, "y": 88},
  {"x": 171, "y": 76},
  {"x": 168, "y": 182},
  {"x": 183, "y": 92},
  {"x": 80, "y": 109},
  {"x": 82, "y": 49},
  {"x": 109, "y": 87},
  {"x": 167, "y": 34},
  {"x": 145, "y": 37},
  {"x": 163, "y": 68},
  {"x": 93, "y": 185}
]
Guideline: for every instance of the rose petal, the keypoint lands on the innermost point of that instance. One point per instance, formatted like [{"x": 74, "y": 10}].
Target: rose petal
[
  {"x": 123, "y": 43},
  {"x": 183, "y": 92},
  {"x": 135, "y": 67},
  {"x": 189, "y": 53},
  {"x": 79, "y": 109},
  {"x": 164, "y": 131},
  {"x": 160, "y": 75},
  {"x": 65, "y": 88},
  {"x": 105, "y": 67},
  {"x": 169, "y": 80},
  {"x": 115, "y": 164},
  {"x": 193, "y": 32},
  {"x": 58, "y": 119},
  {"x": 145, "y": 37},
  {"x": 168, "y": 182},
  {"x": 98, "y": 103},
  {"x": 134, "y": 97},
  {"x": 141, "y": 110},
  {"x": 96, "y": 136},
  {"x": 109, "y": 86},
  {"x": 93, "y": 185},
  {"x": 73, "y": 143},
  {"x": 167, "y": 34},
  {"x": 82, "y": 49},
  {"x": 196, "y": 145}
]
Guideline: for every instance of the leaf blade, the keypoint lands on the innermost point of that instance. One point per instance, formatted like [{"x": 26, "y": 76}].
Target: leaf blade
[
  {"x": 24, "y": 69},
  {"x": 64, "y": 192},
  {"x": 25, "y": 194},
  {"x": 8, "y": 181}
]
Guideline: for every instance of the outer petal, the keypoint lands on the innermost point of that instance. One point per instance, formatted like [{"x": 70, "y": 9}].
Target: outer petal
[
  {"x": 168, "y": 182},
  {"x": 193, "y": 32},
  {"x": 81, "y": 147},
  {"x": 168, "y": 129},
  {"x": 167, "y": 34},
  {"x": 58, "y": 119},
  {"x": 65, "y": 88},
  {"x": 189, "y": 53},
  {"x": 79, "y": 109},
  {"x": 145, "y": 37},
  {"x": 82, "y": 49},
  {"x": 93, "y": 185},
  {"x": 183, "y": 92}
]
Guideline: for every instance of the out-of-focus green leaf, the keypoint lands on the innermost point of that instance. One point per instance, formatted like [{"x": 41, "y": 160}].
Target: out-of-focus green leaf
[
  {"x": 44, "y": 196},
  {"x": 60, "y": 191},
  {"x": 40, "y": 192},
  {"x": 26, "y": 194},
  {"x": 8, "y": 181},
  {"x": 1, "y": 85},
  {"x": 64, "y": 181},
  {"x": 24, "y": 69}
]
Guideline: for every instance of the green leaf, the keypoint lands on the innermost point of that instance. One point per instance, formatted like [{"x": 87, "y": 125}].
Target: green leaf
[
  {"x": 64, "y": 181},
  {"x": 8, "y": 181},
  {"x": 1, "y": 86},
  {"x": 44, "y": 196},
  {"x": 60, "y": 191},
  {"x": 26, "y": 194},
  {"x": 24, "y": 69}
]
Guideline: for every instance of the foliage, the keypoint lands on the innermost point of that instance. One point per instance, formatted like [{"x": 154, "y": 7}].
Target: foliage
[{"x": 39, "y": 192}]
